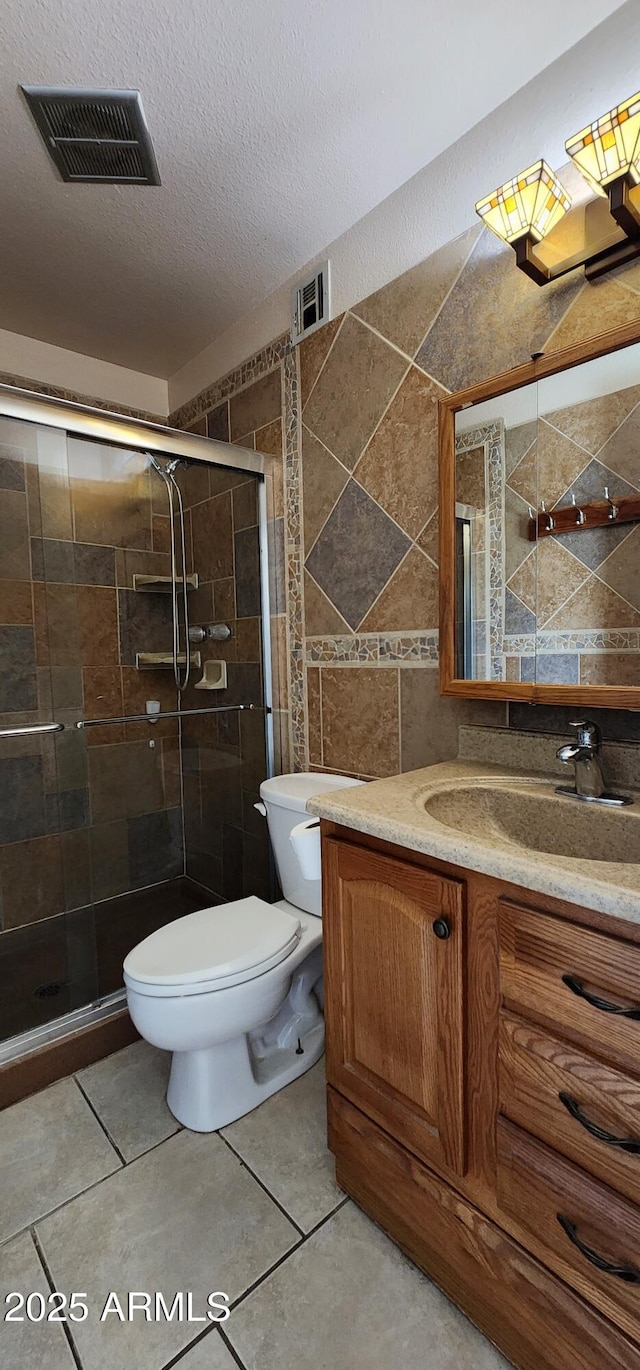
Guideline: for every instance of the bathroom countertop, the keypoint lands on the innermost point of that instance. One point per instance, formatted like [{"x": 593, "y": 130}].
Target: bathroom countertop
[{"x": 393, "y": 810}]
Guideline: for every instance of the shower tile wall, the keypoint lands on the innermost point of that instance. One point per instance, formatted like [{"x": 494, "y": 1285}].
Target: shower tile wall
[
  {"x": 249, "y": 412},
  {"x": 224, "y": 756},
  {"x": 88, "y": 816}
]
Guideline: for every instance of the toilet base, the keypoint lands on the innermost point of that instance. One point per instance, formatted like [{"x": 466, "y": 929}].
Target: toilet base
[{"x": 211, "y": 1088}]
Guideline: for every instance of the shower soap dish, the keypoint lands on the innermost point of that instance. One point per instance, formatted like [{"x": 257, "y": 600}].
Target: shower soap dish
[
  {"x": 214, "y": 676},
  {"x": 149, "y": 661},
  {"x": 162, "y": 584}
]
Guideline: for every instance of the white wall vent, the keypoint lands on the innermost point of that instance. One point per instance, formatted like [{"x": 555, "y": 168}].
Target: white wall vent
[{"x": 311, "y": 303}]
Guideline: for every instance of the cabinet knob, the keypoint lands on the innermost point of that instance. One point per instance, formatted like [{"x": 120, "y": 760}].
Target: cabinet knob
[{"x": 441, "y": 928}]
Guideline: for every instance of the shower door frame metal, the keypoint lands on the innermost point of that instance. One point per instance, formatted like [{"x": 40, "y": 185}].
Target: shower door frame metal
[
  {"x": 79, "y": 420},
  {"x": 104, "y": 426}
]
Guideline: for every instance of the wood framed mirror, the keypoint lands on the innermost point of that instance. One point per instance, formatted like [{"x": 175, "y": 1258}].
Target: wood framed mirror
[{"x": 540, "y": 530}]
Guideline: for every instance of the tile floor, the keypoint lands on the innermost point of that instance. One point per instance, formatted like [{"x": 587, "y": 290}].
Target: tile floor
[{"x": 101, "y": 1190}]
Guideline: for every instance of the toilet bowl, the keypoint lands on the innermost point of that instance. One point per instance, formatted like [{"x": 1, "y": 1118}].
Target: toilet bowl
[{"x": 235, "y": 991}]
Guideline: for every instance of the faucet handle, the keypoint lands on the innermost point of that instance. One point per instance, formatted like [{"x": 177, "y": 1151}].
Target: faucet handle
[{"x": 588, "y": 733}]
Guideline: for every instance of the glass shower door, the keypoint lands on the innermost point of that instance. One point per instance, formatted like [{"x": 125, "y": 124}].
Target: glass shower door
[
  {"x": 89, "y": 819},
  {"x": 35, "y": 972}
]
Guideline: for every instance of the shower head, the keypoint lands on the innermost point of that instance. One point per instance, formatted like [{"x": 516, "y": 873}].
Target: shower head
[{"x": 170, "y": 467}]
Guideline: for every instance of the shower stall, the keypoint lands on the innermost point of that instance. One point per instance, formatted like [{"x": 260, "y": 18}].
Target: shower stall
[{"x": 135, "y": 694}]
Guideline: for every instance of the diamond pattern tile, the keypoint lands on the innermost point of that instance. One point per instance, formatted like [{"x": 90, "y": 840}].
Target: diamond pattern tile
[
  {"x": 353, "y": 390},
  {"x": 620, "y": 454},
  {"x": 399, "y": 467},
  {"x": 593, "y": 545},
  {"x": 493, "y": 319},
  {"x": 592, "y": 422},
  {"x": 356, "y": 553}
]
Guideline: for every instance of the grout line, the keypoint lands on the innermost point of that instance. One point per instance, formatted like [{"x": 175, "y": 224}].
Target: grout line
[
  {"x": 303, "y": 404},
  {"x": 269, "y": 1271},
  {"x": 261, "y": 1183},
  {"x": 53, "y": 1287},
  {"x": 477, "y": 239},
  {"x": 292, "y": 1250},
  {"x": 412, "y": 547},
  {"x": 126, "y": 1165},
  {"x": 376, "y": 332},
  {"x": 612, "y": 435},
  {"x": 347, "y": 630},
  {"x": 231, "y": 1349},
  {"x": 548, "y": 344},
  {"x": 177, "y": 1360},
  {"x": 99, "y": 1120},
  {"x": 383, "y": 415}
]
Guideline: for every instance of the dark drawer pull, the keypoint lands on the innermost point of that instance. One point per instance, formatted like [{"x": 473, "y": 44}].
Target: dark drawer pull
[
  {"x": 577, "y": 987},
  {"x": 623, "y": 1143},
  {"x": 630, "y": 1273}
]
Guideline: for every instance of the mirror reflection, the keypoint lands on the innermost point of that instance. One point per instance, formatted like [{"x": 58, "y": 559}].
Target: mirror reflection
[{"x": 547, "y": 489}]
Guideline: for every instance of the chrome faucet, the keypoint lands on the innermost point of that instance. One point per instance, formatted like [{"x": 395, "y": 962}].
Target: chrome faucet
[{"x": 584, "y": 754}]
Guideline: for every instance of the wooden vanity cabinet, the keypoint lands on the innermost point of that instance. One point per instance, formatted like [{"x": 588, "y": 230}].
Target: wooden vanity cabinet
[
  {"x": 393, "y": 968},
  {"x": 475, "y": 1097}
]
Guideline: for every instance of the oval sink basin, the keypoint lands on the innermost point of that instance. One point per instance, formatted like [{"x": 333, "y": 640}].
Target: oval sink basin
[{"x": 532, "y": 817}]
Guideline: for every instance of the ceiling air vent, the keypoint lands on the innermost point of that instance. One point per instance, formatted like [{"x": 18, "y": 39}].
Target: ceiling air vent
[
  {"x": 310, "y": 303},
  {"x": 95, "y": 135}
]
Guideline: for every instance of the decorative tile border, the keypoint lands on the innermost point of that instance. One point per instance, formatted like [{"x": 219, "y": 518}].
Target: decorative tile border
[
  {"x": 372, "y": 649},
  {"x": 587, "y": 640},
  {"x": 294, "y": 557},
  {"x": 57, "y": 392},
  {"x": 249, "y": 371}
]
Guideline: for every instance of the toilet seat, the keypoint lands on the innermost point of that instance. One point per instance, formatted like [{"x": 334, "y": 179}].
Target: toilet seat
[{"x": 212, "y": 948}]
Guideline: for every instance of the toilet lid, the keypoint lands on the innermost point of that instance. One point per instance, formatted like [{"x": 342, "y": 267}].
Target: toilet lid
[{"x": 226, "y": 944}]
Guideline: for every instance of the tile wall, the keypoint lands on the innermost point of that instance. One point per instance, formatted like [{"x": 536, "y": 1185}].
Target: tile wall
[
  {"x": 255, "y": 407},
  {"x": 360, "y": 530}
]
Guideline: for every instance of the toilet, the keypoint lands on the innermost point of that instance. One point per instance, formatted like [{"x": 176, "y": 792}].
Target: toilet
[{"x": 235, "y": 991}]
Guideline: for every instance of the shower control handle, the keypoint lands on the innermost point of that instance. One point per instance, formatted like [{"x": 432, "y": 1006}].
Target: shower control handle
[{"x": 212, "y": 632}]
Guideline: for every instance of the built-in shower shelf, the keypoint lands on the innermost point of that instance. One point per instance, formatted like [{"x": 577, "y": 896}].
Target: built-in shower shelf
[
  {"x": 153, "y": 661},
  {"x": 161, "y": 585}
]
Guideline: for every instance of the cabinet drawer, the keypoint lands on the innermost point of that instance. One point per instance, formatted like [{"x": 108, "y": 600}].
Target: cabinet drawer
[
  {"x": 596, "y": 1246},
  {"x": 576, "y": 1103},
  {"x": 537, "y": 1321},
  {"x": 586, "y": 983}
]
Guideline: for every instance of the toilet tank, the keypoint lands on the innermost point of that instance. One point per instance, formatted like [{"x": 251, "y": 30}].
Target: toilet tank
[{"x": 285, "y": 800}]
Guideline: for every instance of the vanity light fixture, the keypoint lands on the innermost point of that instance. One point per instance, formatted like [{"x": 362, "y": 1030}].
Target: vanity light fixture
[
  {"x": 528, "y": 210},
  {"x": 526, "y": 207},
  {"x": 607, "y": 153}
]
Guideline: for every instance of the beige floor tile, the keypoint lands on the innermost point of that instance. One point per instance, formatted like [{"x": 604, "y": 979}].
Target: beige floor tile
[
  {"x": 284, "y": 1142},
  {"x": 31, "y": 1345},
  {"x": 186, "y": 1216},
  {"x": 51, "y": 1148},
  {"x": 209, "y": 1354},
  {"x": 128, "y": 1093},
  {"x": 349, "y": 1298}
]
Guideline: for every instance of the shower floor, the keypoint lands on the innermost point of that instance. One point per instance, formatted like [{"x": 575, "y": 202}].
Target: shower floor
[{"x": 64, "y": 963}]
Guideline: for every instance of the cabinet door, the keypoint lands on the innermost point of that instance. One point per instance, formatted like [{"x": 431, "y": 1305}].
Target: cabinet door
[{"x": 393, "y": 996}]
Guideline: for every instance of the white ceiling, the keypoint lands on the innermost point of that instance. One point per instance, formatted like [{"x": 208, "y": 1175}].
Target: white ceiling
[{"x": 277, "y": 124}]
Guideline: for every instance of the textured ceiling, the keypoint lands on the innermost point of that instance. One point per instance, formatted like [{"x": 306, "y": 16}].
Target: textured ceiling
[{"x": 276, "y": 125}]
